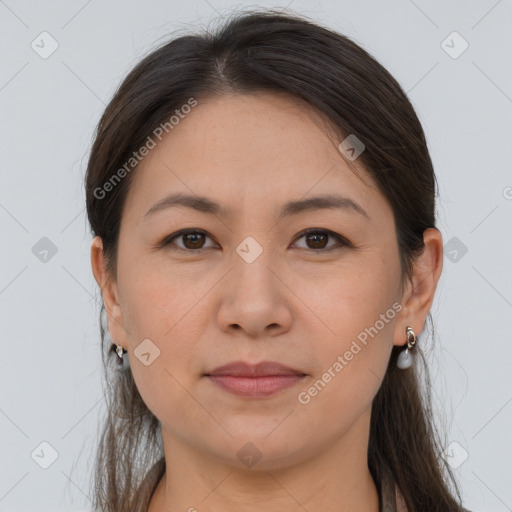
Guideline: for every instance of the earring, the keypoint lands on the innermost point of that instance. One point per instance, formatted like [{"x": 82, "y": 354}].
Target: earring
[
  {"x": 120, "y": 351},
  {"x": 124, "y": 362},
  {"x": 405, "y": 358}
]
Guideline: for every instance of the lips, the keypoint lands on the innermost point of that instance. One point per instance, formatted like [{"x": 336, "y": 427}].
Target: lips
[
  {"x": 255, "y": 381},
  {"x": 264, "y": 369}
]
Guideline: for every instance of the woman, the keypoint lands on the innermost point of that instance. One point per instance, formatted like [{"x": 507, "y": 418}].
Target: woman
[{"x": 262, "y": 202}]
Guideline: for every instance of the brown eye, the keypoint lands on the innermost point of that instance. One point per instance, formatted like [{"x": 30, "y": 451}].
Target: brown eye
[
  {"x": 192, "y": 240},
  {"x": 317, "y": 239}
]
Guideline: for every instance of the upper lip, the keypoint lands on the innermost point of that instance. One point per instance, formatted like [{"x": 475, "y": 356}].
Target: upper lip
[{"x": 263, "y": 369}]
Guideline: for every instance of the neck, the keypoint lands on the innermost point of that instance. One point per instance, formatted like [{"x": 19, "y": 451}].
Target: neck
[
  {"x": 277, "y": 491},
  {"x": 337, "y": 479}
]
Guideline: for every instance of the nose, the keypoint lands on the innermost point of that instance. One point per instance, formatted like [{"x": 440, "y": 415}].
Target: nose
[{"x": 254, "y": 299}]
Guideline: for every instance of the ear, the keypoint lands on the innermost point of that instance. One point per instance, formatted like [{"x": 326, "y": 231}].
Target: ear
[
  {"x": 109, "y": 292},
  {"x": 420, "y": 289}
]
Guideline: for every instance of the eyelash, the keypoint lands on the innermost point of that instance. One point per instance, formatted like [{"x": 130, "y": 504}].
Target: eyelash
[{"x": 341, "y": 240}]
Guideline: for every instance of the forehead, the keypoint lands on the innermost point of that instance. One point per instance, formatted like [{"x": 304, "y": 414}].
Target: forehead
[{"x": 263, "y": 148}]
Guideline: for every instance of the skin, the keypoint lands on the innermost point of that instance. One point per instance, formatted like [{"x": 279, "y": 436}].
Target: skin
[{"x": 294, "y": 305}]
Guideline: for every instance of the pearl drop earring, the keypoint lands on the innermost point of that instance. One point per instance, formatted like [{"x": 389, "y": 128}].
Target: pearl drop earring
[{"x": 405, "y": 357}]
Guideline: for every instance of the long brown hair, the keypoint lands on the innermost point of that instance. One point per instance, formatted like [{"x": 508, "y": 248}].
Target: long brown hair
[{"x": 283, "y": 52}]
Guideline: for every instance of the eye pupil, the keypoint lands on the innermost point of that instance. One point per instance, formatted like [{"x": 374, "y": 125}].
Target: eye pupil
[
  {"x": 195, "y": 244},
  {"x": 315, "y": 237}
]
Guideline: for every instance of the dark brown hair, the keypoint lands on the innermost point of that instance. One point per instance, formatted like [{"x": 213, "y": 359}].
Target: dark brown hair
[{"x": 280, "y": 52}]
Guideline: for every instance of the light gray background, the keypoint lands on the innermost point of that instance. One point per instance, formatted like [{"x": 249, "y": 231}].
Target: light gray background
[{"x": 50, "y": 374}]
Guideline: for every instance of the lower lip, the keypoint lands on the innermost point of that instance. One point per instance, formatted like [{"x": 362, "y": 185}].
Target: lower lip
[{"x": 255, "y": 386}]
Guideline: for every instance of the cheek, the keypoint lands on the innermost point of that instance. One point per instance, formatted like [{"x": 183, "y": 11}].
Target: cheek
[
  {"x": 351, "y": 365},
  {"x": 353, "y": 299},
  {"x": 161, "y": 307},
  {"x": 156, "y": 296},
  {"x": 158, "y": 308},
  {"x": 358, "y": 317}
]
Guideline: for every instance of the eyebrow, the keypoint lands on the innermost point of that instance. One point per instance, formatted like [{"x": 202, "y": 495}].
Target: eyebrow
[{"x": 206, "y": 205}]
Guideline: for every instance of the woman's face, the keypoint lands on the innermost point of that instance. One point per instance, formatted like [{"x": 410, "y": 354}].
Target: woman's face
[{"x": 252, "y": 287}]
